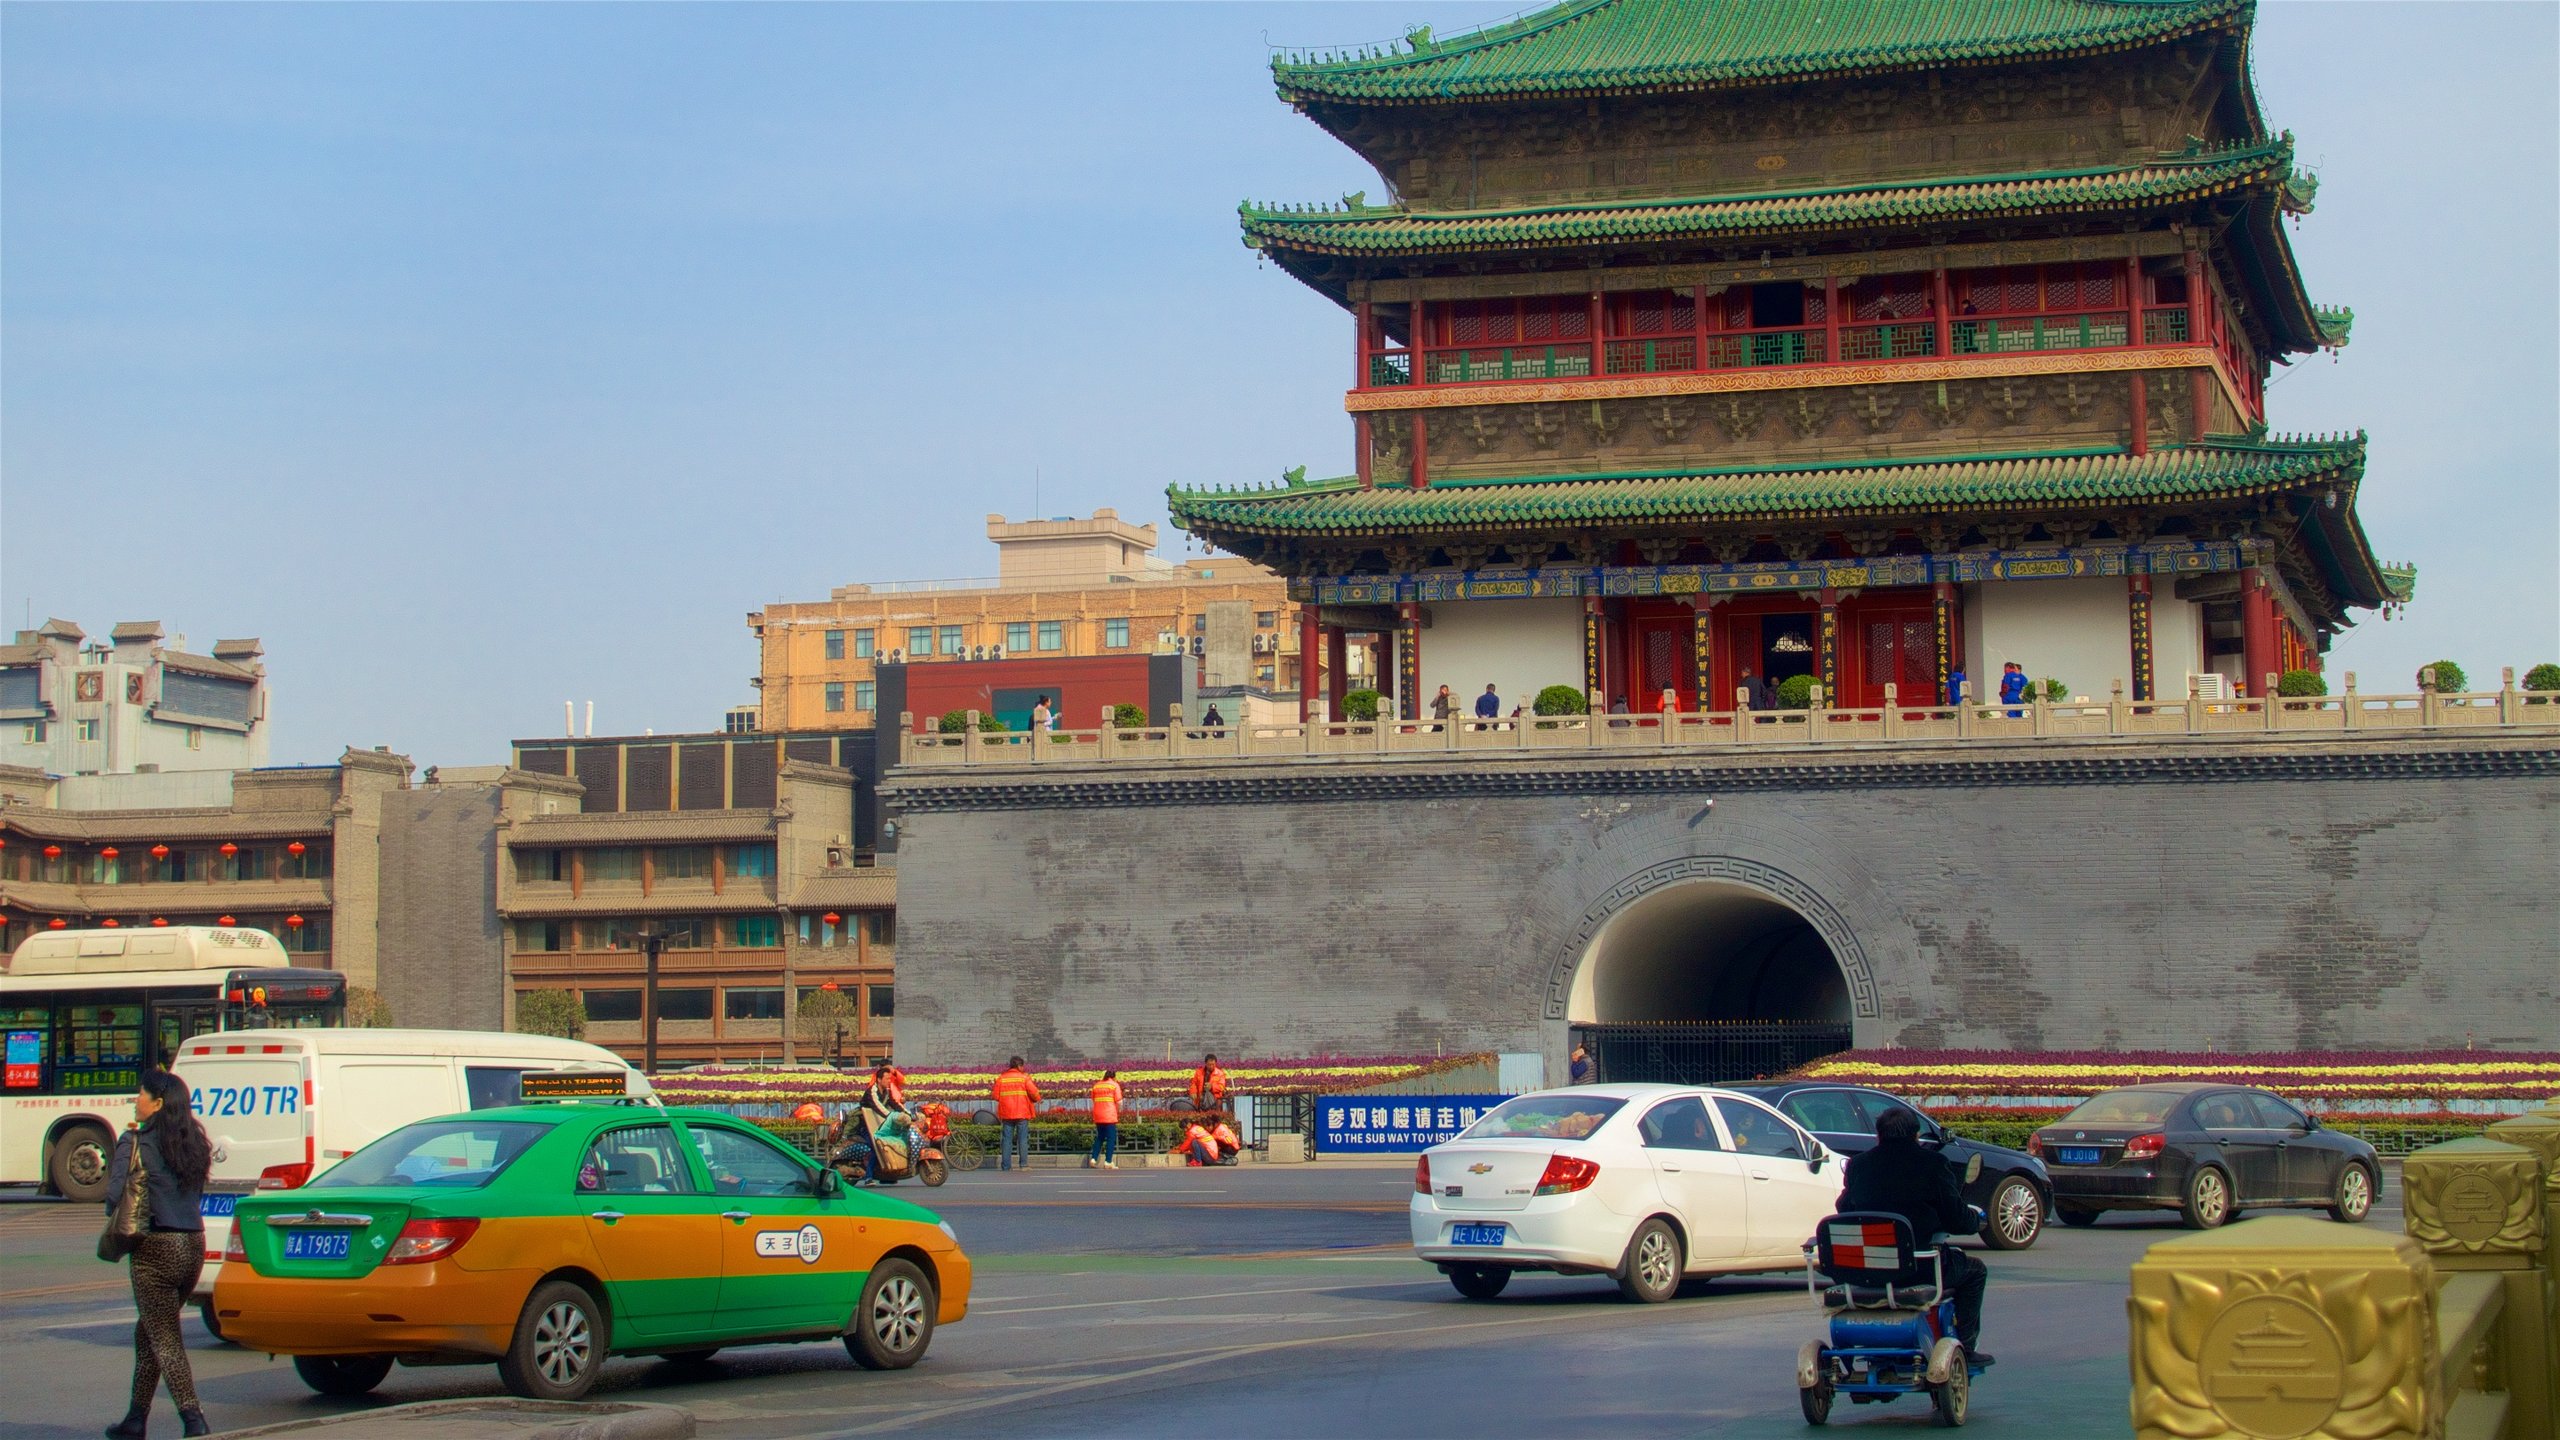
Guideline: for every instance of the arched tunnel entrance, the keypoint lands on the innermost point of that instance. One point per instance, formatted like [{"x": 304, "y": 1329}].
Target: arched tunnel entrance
[{"x": 1707, "y": 982}]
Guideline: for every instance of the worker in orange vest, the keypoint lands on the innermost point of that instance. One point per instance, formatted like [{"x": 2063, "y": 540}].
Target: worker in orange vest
[
  {"x": 1106, "y": 1122},
  {"x": 1198, "y": 1145},
  {"x": 1016, "y": 1096},
  {"x": 1208, "y": 1084}
]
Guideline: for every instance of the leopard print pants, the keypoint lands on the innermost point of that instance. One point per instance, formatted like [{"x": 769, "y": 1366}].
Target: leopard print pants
[{"x": 165, "y": 1267}]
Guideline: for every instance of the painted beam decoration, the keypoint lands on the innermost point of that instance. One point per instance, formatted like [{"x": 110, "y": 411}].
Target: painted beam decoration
[{"x": 2157, "y": 557}]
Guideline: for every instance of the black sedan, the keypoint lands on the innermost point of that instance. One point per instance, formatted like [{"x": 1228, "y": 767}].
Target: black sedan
[
  {"x": 2206, "y": 1151},
  {"x": 2013, "y": 1190}
]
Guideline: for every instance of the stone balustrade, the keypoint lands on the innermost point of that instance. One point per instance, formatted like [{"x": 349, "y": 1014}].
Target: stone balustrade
[
  {"x": 2288, "y": 1327},
  {"x": 1891, "y": 725}
]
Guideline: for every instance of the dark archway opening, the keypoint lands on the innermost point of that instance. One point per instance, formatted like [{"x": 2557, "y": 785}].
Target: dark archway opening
[{"x": 1708, "y": 983}]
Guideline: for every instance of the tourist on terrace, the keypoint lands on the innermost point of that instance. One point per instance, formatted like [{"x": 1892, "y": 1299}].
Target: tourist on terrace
[
  {"x": 1955, "y": 685},
  {"x": 1755, "y": 691},
  {"x": 1212, "y": 718},
  {"x": 1040, "y": 716},
  {"x": 1489, "y": 704},
  {"x": 2013, "y": 687},
  {"x": 1444, "y": 705}
]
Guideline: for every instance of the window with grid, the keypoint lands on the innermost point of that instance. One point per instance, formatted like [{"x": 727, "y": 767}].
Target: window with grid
[
  {"x": 742, "y": 1002},
  {"x": 835, "y": 644},
  {"x": 1652, "y": 312},
  {"x": 754, "y": 861},
  {"x": 862, "y": 645},
  {"x": 835, "y": 697},
  {"x": 1115, "y": 633},
  {"x": 311, "y": 864},
  {"x": 1053, "y": 635},
  {"x": 618, "y": 864},
  {"x": 1017, "y": 637},
  {"x": 865, "y": 695},
  {"x": 953, "y": 640},
  {"x": 754, "y": 932},
  {"x": 919, "y": 641},
  {"x": 542, "y": 936},
  {"x": 1511, "y": 320},
  {"x": 683, "y": 862}
]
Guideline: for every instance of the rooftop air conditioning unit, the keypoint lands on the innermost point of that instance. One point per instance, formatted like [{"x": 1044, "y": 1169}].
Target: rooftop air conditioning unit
[{"x": 995, "y": 652}]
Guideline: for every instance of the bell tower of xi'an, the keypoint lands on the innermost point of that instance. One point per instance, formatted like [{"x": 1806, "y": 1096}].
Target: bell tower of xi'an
[{"x": 1702, "y": 344}]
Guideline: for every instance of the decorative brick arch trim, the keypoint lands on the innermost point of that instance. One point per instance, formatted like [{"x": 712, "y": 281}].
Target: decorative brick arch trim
[{"x": 1768, "y": 879}]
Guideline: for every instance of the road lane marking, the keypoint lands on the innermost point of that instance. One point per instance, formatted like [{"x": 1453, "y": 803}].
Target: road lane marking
[
  {"x": 64, "y": 1289},
  {"x": 1212, "y": 1295}
]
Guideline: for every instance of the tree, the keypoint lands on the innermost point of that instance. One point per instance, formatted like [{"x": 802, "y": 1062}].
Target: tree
[
  {"x": 551, "y": 1012},
  {"x": 367, "y": 1010},
  {"x": 2054, "y": 690},
  {"x": 1360, "y": 705},
  {"x": 2545, "y": 676},
  {"x": 822, "y": 1011},
  {"x": 1560, "y": 700},
  {"x": 2449, "y": 678},
  {"x": 2301, "y": 684}
]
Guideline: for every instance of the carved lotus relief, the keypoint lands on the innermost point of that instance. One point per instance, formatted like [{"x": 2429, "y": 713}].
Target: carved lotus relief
[
  {"x": 2468, "y": 1206},
  {"x": 2282, "y": 1354}
]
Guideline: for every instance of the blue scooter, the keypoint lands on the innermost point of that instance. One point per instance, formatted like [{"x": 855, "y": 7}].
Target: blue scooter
[{"x": 1892, "y": 1321}]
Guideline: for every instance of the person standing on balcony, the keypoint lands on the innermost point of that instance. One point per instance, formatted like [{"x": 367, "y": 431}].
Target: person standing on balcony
[
  {"x": 1755, "y": 691},
  {"x": 1041, "y": 716},
  {"x": 1489, "y": 704},
  {"x": 1955, "y": 684},
  {"x": 1444, "y": 706},
  {"x": 1016, "y": 1097},
  {"x": 2013, "y": 687}
]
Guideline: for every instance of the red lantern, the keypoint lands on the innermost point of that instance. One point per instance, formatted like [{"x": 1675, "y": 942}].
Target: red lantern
[
  {"x": 110, "y": 852},
  {"x": 230, "y": 849},
  {"x": 830, "y": 985},
  {"x": 295, "y": 848},
  {"x": 159, "y": 852},
  {"x": 295, "y": 921},
  {"x": 225, "y": 920},
  {"x": 160, "y": 920},
  {"x": 832, "y": 918},
  {"x": 110, "y": 922},
  {"x": 57, "y": 923},
  {"x": 53, "y": 852}
]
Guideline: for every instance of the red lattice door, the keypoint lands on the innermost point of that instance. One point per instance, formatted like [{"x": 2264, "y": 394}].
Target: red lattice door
[{"x": 1900, "y": 650}]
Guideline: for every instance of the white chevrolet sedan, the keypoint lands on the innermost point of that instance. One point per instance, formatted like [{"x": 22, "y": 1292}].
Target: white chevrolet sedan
[{"x": 1643, "y": 1183}]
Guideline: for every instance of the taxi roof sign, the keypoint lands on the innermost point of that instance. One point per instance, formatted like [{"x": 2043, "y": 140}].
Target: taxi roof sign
[{"x": 576, "y": 1085}]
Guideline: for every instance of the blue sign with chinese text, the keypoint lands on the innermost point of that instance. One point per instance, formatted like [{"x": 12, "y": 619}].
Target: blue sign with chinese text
[{"x": 1385, "y": 1124}]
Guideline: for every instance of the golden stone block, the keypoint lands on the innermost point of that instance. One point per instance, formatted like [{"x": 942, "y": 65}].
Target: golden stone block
[
  {"x": 2537, "y": 1132},
  {"x": 2284, "y": 1329},
  {"x": 2477, "y": 1197}
]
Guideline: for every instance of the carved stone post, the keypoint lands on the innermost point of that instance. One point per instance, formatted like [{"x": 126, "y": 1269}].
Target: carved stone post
[
  {"x": 2284, "y": 1326},
  {"x": 2484, "y": 1205}
]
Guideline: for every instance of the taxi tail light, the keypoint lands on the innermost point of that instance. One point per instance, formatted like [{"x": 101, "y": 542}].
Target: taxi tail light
[
  {"x": 2145, "y": 1147},
  {"x": 1567, "y": 1173},
  {"x": 1422, "y": 1175},
  {"x": 233, "y": 1251},
  {"x": 285, "y": 1177},
  {"x": 423, "y": 1240}
]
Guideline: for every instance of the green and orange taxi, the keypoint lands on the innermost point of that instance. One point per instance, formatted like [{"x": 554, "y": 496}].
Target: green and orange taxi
[{"x": 546, "y": 1237}]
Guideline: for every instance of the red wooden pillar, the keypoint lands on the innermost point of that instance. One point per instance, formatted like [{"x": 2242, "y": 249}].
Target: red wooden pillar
[
  {"x": 2137, "y": 590},
  {"x": 1831, "y": 320},
  {"x": 1363, "y": 344},
  {"x": 2197, "y": 334},
  {"x": 2138, "y": 407},
  {"x": 1308, "y": 646},
  {"x": 1942, "y": 299},
  {"x": 1409, "y": 661},
  {"x": 1360, "y": 442},
  {"x": 1599, "y": 343},
  {"x": 1337, "y": 658},
  {"x": 2257, "y": 628},
  {"x": 1421, "y": 454},
  {"x": 2133, "y": 300},
  {"x": 1702, "y": 325},
  {"x": 1942, "y": 615}
]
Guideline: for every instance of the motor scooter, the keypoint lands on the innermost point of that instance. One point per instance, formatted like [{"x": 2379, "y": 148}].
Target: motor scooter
[{"x": 903, "y": 1151}]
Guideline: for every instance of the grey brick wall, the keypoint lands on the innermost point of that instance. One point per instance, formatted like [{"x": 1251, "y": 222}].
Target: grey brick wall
[
  {"x": 2353, "y": 893},
  {"x": 440, "y": 963}
]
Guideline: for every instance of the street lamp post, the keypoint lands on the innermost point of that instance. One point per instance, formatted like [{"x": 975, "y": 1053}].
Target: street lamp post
[{"x": 651, "y": 941}]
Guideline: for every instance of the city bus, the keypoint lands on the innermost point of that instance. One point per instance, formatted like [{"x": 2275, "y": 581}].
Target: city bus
[{"x": 83, "y": 1011}]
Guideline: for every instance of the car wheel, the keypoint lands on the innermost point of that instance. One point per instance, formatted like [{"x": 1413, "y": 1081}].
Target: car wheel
[
  {"x": 1952, "y": 1398},
  {"x": 212, "y": 1321},
  {"x": 559, "y": 1346},
  {"x": 342, "y": 1375},
  {"x": 1650, "y": 1273},
  {"x": 2208, "y": 1199},
  {"x": 2353, "y": 1199},
  {"x": 1816, "y": 1400},
  {"x": 894, "y": 1321},
  {"x": 78, "y": 1168},
  {"x": 1479, "y": 1282},
  {"x": 2015, "y": 1216},
  {"x": 2076, "y": 1217}
]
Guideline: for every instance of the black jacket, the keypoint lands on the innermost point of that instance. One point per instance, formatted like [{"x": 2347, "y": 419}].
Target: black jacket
[
  {"x": 169, "y": 1203},
  {"x": 1909, "y": 1180}
]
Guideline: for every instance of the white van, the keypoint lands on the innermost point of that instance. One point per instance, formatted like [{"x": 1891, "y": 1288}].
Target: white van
[{"x": 283, "y": 1105}]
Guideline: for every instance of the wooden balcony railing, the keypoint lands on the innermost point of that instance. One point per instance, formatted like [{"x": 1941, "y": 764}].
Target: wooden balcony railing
[{"x": 1892, "y": 724}]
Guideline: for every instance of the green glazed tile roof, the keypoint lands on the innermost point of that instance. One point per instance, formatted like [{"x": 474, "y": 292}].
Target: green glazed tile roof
[
  {"x": 1341, "y": 507},
  {"x": 2401, "y": 581},
  {"x": 1625, "y": 45},
  {"x": 1387, "y": 229}
]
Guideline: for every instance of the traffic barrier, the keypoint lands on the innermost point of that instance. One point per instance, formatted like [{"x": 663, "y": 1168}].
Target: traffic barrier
[{"x": 2287, "y": 1327}]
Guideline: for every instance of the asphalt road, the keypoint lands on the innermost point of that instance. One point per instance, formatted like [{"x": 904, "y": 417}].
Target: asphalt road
[{"x": 1250, "y": 1302}]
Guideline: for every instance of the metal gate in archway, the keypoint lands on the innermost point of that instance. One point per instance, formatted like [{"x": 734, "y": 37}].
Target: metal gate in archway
[{"x": 1707, "y": 1052}]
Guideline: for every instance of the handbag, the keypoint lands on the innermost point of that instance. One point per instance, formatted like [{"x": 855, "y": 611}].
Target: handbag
[{"x": 127, "y": 1222}]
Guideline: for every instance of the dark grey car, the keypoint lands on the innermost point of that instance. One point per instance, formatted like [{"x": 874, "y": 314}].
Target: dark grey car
[{"x": 2205, "y": 1150}]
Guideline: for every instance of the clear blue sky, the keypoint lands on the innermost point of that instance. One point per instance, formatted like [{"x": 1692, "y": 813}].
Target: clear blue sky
[{"x": 479, "y": 357}]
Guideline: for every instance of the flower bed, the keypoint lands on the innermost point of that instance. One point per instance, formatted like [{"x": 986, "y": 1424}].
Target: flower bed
[
  {"x": 2453, "y": 1080},
  {"x": 735, "y": 1086}
]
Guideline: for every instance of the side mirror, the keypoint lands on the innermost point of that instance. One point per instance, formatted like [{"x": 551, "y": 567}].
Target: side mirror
[
  {"x": 830, "y": 1184},
  {"x": 1820, "y": 1158},
  {"x": 2310, "y": 1123}
]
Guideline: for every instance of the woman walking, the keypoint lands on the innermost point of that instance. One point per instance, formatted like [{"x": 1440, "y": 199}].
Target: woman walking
[{"x": 174, "y": 1155}]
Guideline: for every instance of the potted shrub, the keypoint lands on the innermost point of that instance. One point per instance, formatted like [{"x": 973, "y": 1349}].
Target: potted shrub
[
  {"x": 1559, "y": 700},
  {"x": 1360, "y": 705},
  {"x": 2449, "y": 678},
  {"x": 1125, "y": 716},
  {"x": 2301, "y": 684},
  {"x": 2542, "y": 680},
  {"x": 1795, "y": 693}
]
